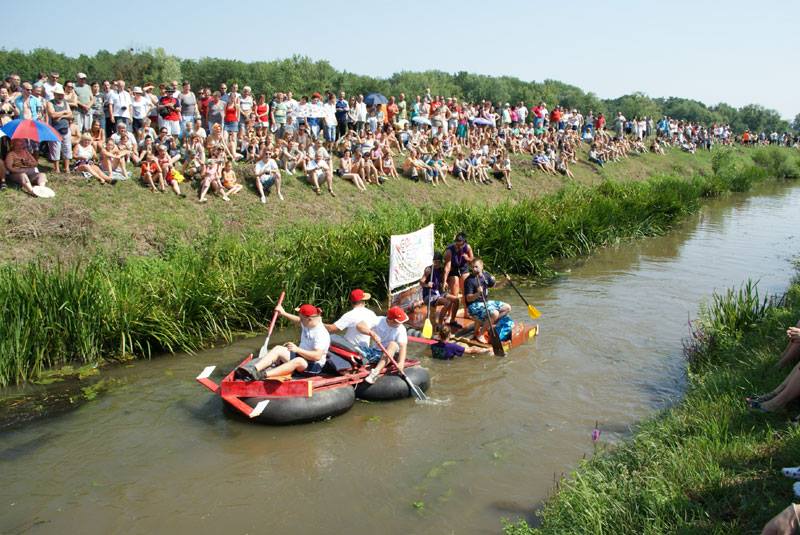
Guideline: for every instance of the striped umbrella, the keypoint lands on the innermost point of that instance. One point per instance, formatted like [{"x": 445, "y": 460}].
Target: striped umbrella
[{"x": 30, "y": 129}]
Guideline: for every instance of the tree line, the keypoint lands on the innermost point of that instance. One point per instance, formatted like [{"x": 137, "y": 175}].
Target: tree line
[{"x": 303, "y": 76}]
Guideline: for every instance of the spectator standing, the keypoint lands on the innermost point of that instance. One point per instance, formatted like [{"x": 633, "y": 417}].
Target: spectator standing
[
  {"x": 82, "y": 113},
  {"x": 331, "y": 120},
  {"x": 168, "y": 106},
  {"x": 98, "y": 108},
  {"x": 49, "y": 85},
  {"x": 140, "y": 106},
  {"x": 246, "y": 106},
  {"x": 361, "y": 114},
  {"x": 119, "y": 104},
  {"x": 342, "y": 107},
  {"x": 216, "y": 111},
  {"x": 188, "y": 105},
  {"x": 27, "y": 105},
  {"x": 60, "y": 116},
  {"x": 105, "y": 93}
]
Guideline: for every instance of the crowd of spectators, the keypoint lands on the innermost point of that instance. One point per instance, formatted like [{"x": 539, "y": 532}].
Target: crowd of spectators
[{"x": 168, "y": 134}]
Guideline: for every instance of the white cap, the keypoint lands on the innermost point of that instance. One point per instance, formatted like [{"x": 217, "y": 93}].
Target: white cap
[
  {"x": 138, "y": 89},
  {"x": 58, "y": 89},
  {"x": 81, "y": 75}
]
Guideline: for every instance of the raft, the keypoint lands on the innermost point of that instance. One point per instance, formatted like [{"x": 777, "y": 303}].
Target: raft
[
  {"x": 522, "y": 332},
  {"x": 304, "y": 398}
]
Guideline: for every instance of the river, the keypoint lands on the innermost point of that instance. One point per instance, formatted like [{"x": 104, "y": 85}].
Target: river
[{"x": 155, "y": 454}]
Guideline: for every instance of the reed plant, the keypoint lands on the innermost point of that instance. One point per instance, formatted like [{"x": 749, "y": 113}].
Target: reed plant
[{"x": 220, "y": 283}]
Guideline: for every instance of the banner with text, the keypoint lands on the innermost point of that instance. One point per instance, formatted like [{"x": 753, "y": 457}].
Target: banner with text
[{"x": 410, "y": 255}]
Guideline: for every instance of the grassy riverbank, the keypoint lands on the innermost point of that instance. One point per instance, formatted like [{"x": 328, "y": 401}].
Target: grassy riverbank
[
  {"x": 222, "y": 271},
  {"x": 709, "y": 464},
  {"x": 86, "y": 218}
]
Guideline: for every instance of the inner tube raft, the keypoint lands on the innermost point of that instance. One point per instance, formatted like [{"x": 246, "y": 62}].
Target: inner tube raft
[
  {"x": 322, "y": 405},
  {"x": 390, "y": 386},
  {"x": 307, "y": 398}
]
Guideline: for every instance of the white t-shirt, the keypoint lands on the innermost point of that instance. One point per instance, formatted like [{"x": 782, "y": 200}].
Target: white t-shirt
[
  {"x": 120, "y": 100},
  {"x": 140, "y": 107},
  {"x": 390, "y": 334},
  {"x": 314, "y": 339},
  {"x": 48, "y": 90},
  {"x": 349, "y": 321},
  {"x": 266, "y": 168}
]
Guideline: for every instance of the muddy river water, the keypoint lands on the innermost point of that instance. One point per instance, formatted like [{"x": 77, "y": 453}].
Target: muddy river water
[{"x": 156, "y": 454}]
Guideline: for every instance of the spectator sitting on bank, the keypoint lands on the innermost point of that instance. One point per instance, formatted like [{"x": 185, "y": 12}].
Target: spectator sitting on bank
[
  {"x": 85, "y": 160},
  {"x": 789, "y": 389},
  {"x": 22, "y": 167},
  {"x": 267, "y": 175}
]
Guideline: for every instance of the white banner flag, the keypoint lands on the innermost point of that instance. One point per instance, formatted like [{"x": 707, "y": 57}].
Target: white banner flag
[{"x": 410, "y": 255}]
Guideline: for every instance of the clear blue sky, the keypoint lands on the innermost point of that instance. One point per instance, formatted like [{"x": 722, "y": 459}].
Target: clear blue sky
[{"x": 735, "y": 51}]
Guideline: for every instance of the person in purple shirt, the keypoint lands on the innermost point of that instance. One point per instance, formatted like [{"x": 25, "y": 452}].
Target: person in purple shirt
[{"x": 444, "y": 349}]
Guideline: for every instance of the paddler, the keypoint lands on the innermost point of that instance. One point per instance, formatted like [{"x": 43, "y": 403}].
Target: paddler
[
  {"x": 357, "y": 314},
  {"x": 307, "y": 357},
  {"x": 476, "y": 292},
  {"x": 391, "y": 333},
  {"x": 433, "y": 290},
  {"x": 446, "y": 350},
  {"x": 457, "y": 258}
]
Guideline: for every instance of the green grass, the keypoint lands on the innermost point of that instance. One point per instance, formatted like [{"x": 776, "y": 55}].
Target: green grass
[
  {"x": 85, "y": 217},
  {"x": 709, "y": 464},
  {"x": 216, "y": 273}
]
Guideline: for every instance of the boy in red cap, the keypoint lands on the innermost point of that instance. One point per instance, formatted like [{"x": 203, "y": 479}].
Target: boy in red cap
[
  {"x": 307, "y": 357},
  {"x": 389, "y": 331},
  {"x": 350, "y": 320}
]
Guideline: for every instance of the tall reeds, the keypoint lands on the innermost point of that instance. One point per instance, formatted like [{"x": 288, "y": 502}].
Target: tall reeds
[{"x": 221, "y": 283}]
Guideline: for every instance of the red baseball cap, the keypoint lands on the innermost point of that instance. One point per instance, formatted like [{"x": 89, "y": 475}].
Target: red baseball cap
[
  {"x": 308, "y": 310},
  {"x": 397, "y": 314},
  {"x": 359, "y": 295}
]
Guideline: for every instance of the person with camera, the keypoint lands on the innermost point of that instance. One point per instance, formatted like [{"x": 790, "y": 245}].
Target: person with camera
[
  {"x": 168, "y": 114},
  {"x": 119, "y": 104}
]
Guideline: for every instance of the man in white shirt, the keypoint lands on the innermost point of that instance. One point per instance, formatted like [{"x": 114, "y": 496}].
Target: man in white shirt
[
  {"x": 267, "y": 175},
  {"x": 361, "y": 113},
  {"x": 50, "y": 84},
  {"x": 307, "y": 357},
  {"x": 119, "y": 104},
  {"x": 391, "y": 333},
  {"x": 350, "y": 320}
]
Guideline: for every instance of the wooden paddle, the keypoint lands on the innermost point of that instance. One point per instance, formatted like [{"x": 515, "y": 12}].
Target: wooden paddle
[
  {"x": 497, "y": 345},
  {"x": 418, "y": 393},
  {"x": 427, "y": 329},
  {"x": 532, "y": 312},
  {"x": 263, "y": 351}
]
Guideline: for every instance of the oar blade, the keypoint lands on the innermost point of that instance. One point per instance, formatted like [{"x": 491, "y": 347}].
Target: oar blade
[
  {"x": 497, "y": 345},
  {"x": 427, "y": 329},
  {"x": 264, "y": 350},
  {"x": 533, "y": 312}
]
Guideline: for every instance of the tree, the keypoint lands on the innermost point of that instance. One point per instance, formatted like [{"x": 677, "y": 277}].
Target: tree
[{"x": 796, "y": 123}]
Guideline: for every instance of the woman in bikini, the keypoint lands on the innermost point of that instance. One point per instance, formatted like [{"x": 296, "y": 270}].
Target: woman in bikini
[
  {"x": 347, "y": 172},
  {"x": 84, "y": 155}
]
